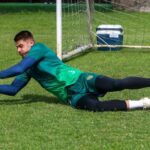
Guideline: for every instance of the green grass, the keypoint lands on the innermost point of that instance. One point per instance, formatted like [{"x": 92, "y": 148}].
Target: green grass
[
  {"x": 35, "y": 120},
  {"x": 23, "y": 7}
]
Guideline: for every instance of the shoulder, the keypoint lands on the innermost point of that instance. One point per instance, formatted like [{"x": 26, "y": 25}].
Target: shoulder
[
  {"x": 41, "y": 47},
  {"x": 39, "y": 50}
]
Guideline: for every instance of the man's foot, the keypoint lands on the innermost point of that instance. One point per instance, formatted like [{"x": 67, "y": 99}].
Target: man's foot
[{"x": 146, "y": 102}]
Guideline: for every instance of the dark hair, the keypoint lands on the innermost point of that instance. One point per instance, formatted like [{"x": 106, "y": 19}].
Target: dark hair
[{"x": 23, "y": 35}]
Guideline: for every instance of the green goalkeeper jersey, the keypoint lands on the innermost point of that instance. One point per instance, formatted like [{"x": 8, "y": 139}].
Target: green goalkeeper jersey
[{"x": 51, "y": 73}]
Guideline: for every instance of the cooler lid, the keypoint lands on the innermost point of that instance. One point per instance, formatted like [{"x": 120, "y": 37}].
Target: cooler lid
[{"x": 110, "y": 27}]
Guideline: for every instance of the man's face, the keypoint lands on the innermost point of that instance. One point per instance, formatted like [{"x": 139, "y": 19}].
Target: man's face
[{"x": 23, "y": 46}]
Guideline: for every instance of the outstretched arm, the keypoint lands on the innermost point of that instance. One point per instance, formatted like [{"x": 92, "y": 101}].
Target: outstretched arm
[
  {"x": 19, "y": 68},
  {"x": 13, "y": 88}
]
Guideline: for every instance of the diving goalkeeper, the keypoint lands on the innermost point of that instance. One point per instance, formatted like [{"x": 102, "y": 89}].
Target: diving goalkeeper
[{"x": 72, "y": 86}]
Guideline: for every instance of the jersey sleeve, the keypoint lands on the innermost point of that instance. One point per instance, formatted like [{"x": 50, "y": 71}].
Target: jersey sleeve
[
  {"x": 19, "y": 68},
  {"x": 12, "y": 89}
]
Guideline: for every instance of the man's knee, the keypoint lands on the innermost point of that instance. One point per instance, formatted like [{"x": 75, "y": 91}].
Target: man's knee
[{"x": 90, "y": 102}]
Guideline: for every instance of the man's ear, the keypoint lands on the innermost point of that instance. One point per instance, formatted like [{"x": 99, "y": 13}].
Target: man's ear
[{"x": 32, "y": 42}]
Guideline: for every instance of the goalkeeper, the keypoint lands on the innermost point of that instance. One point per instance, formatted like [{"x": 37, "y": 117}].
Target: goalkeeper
[{"x": 72, "y": 86}]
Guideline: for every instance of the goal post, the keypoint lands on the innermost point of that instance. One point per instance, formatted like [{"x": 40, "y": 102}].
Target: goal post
[
  {"x": 59, "y": 28},
  {"x": 74, "y": 27}
]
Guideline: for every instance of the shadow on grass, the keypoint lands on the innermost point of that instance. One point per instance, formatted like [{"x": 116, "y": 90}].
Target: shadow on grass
[{"x": 30, "y": 98}]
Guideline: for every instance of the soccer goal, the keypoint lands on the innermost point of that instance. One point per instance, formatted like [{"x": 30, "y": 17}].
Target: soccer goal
[
  {"x": 73, "y": 27},
  {"x": 77, "y": 21}
]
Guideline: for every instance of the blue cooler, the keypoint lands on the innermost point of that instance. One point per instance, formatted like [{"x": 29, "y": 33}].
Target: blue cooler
[{"x": 109, "y": 35}]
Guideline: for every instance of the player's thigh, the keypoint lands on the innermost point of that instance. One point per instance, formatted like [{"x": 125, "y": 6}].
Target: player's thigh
[{"x": 106, "y": 84}]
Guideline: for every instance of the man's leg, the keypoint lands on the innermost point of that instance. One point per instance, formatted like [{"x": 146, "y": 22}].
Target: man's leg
[
  {"x": 105, "y": 84},
  {"x": 90, "y": 102}
]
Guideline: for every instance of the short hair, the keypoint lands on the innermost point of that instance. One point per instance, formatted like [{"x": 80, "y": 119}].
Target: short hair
[{"x": 23, "y": 35}]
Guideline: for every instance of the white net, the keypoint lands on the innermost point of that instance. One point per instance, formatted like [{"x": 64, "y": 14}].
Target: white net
[
  {"x": 132, "y": 15},
  {"x": 75, "y": 34}
]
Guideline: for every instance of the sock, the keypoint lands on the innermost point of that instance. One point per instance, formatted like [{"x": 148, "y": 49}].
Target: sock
[{"x": 135, "y": 104}]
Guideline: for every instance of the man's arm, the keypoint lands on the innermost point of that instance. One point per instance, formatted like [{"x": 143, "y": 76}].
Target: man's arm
[
  {"x": 13, "y": 88},
  {"x": 19, "y": 68}
]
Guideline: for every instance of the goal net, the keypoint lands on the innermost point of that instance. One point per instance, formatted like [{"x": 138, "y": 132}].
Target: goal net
[
  {"x": 131, "y": 15},
  {"x": 73, "y": 27}
]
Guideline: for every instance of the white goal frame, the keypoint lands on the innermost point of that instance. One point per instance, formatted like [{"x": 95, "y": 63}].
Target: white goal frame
[{"x": 59, "y": 36}]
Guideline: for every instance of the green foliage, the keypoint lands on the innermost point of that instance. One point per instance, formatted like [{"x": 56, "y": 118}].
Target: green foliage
[
  {"x": 34, "y": 7},
  {"x": 35, "y": 120},
  {"x": 26, "y": 7}
]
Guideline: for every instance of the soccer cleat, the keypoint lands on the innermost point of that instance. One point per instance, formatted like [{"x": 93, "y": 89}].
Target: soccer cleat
[{"x": 146, "y": 102}]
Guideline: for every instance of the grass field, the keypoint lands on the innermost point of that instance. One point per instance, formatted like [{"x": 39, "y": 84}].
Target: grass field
[{"x": 35, "y": 120}]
